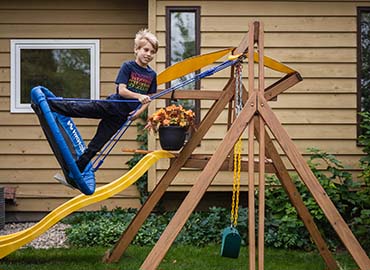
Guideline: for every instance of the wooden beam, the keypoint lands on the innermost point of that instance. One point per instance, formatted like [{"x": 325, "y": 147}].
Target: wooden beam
[
  {"x": 251, "y": 200},
  {"x": 317, "y": 191},
  {"x": 270, "y": 92},
  {"x": 281, "y": 85},
  {"x": 201, "y": 163},
  {"x": 261, "y": 152},
  {"x": 261, "y": 196},
  {"x": 251, "y": 203}
]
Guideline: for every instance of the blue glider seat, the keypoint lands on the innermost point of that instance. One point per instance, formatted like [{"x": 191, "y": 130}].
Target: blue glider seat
[{"x": 65, "y": 141}]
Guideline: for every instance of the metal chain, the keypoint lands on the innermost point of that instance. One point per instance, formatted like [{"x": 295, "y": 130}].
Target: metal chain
[
  {"x": 238, "y": 88},
  {"x": 237, "y": 148}
]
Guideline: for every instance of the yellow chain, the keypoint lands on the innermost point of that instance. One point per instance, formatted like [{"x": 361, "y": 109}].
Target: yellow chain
[{"x": 236, "y": 182}]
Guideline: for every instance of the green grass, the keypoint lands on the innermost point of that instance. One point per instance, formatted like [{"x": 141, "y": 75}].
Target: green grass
[{"x": 179, "y": 257}]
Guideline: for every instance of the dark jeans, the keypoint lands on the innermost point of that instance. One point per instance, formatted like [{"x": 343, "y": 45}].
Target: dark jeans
[{"x": 112, "y": 115}]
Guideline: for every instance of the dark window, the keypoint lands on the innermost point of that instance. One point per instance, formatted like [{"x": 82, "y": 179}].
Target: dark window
[
  {"x": 183, "y": 41},
  {"x": 64, "y": 71},
  {"x": 68, "y": 67},
  {"x": 363, "y": 60}
]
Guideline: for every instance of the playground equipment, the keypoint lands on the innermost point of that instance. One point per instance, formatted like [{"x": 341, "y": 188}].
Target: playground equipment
[
  {"x": 255, "y": 115},
  {"x": 11, "y": 242}
]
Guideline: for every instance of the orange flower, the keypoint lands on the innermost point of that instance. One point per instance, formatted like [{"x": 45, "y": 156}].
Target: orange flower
[{"x": 172, "y": 115}]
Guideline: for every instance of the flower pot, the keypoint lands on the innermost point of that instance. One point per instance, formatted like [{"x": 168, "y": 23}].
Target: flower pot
[{"x": 172, "y": 137}]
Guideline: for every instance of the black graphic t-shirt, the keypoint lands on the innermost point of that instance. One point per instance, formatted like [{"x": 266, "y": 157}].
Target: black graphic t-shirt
[{"x": 137, "y": 79}]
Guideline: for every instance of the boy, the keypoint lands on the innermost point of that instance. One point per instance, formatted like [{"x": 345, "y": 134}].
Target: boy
[{"x": 135, "y": 80}]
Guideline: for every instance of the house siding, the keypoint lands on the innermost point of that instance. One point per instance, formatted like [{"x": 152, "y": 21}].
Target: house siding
[
  {"x": 316, "y": 38},
  {"x": 26, "y": 160}
]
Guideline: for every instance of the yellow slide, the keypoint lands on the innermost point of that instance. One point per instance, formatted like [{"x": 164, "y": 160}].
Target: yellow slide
[{"x": 11, "y": 242}]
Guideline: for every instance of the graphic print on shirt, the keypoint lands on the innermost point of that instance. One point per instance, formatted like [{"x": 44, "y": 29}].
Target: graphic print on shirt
[{"x": 139, "y": 83}]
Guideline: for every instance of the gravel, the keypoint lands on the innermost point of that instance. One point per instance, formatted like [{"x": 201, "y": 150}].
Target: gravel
[{"x": 55, "y": 237}]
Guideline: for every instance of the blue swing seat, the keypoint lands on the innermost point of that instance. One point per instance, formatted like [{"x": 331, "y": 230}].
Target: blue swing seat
[{"x": 65, "y": 141}]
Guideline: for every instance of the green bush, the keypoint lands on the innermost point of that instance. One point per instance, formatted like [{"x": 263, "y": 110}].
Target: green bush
[
  {"x": 103, "y": 228},
  {"x": 283, "y": 227},
  {"x": 361, "y": 222},
  {"x": 364, "y": 140}
]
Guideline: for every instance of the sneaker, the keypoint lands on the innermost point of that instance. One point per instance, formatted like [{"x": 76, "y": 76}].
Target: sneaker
[
  {"x": 84, "y": 159},
  {"x": 61, "y": 179}
]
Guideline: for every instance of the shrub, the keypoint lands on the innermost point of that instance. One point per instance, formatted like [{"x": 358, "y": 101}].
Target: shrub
[
  {"x": 361, "y": 222},
  {"x": 283, "y": 227}
]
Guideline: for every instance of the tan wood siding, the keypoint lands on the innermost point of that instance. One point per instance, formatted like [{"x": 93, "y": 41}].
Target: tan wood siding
[
  {"x": 316, "y": 38},
  {"x": 27, "y": 162}
]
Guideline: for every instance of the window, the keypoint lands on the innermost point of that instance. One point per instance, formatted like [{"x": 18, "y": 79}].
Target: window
[
  {"x": 183, "y": 41},
  {"x": 363, "y": 69},
  {"x": 68, "y": 68}
]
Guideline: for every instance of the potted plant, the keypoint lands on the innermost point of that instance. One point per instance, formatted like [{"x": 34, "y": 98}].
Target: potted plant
[{"x": 172, "y": 123}]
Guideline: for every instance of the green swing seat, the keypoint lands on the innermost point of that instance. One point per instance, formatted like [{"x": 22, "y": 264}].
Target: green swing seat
[{"x": 231, "y": 242}]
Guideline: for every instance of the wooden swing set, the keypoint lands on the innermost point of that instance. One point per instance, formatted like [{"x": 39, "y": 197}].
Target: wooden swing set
[{"x": 255, "y": 115}]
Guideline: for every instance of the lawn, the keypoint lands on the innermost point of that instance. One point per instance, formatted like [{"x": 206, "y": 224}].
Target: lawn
[{"x": 179, "y": 257}]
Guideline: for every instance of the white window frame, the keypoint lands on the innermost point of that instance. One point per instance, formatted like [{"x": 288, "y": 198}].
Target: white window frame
[{"x": 15, "y": 53}]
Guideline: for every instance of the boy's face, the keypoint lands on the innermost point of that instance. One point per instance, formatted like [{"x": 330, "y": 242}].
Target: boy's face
[{"x": 144, "y": 54}]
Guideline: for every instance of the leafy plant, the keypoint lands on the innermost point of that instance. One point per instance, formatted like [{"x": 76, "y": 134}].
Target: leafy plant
[
  {"x": 364, "y": 140},
  {"x": 361, "y": 222},
  {"x": 172, "y": 115},
  {"x": 284, "y": 229}
]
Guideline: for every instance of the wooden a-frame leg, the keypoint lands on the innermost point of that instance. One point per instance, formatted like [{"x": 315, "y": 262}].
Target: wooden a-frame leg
[
  {"x": 129, "y": 234},
  {"x": 317, "y": 191},
  {"x": 252, "y": 38},
  {"x": 261, "y": 153},
  {"x": 251, "y": 199},
  {"x": 199, "y": 188},
  {"x": 260, "y": 124},
  {"x": 297, "y": 201}
]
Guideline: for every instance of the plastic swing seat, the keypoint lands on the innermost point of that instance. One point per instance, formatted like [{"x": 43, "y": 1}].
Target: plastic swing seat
[
  {"x": 65, "y": 141},
  {"x": 231, "y": 242}
]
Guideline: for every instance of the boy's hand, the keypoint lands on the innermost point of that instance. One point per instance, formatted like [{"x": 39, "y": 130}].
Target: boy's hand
[
  {"x": 144, "y": 99},
  {"x": 148, "y": 126}
]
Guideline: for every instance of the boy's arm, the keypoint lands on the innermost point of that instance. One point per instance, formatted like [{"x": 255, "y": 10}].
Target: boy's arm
[{"x": 124, "y": 92}]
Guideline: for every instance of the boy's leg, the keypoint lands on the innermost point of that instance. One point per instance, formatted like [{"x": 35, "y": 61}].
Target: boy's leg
[
  {"x": 106, "y": 129},
  {"x": 91, "y": 109},
  {"x": 113, "y": 116}
]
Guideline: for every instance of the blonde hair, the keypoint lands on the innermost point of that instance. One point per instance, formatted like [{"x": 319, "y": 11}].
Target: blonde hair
[{"x": 144, "y": 36}]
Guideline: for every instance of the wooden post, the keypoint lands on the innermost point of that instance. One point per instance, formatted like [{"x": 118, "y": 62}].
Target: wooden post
[
  {"x": 261, "y": 182},
  {"x": 251, "y": 202}
]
